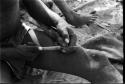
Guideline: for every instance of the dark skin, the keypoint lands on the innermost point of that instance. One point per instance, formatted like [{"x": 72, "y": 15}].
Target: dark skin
[
  {"x": 82, "y": 62},
  {"x": 12, "y": 20},
  {"x": 73, "y": 18},
  {"x": 54, "y": 20}
]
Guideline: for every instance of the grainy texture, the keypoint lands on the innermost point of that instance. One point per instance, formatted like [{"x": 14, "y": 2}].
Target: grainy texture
[{"x": 110, "y": 16}]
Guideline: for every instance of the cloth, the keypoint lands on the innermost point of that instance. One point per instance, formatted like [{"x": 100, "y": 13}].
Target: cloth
[{"x": 16, "y": 65}]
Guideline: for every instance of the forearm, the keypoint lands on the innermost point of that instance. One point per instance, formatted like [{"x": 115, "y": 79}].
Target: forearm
[{"x": 39, "y": 11}]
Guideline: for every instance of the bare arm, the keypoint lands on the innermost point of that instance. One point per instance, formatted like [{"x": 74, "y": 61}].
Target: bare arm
[{"x": 39, "y": 11}]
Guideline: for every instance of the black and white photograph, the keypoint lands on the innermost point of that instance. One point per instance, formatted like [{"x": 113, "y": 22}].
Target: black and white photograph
[{"x": 61, "y": 42}]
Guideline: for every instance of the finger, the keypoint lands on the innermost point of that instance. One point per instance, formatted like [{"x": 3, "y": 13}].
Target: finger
[
  {"x": 73, "y": 38},
  {"x": 60, "y": 41},
  {"x": 58, "y": 38},
  {"x": 95, "y": 15},
  {"x": 64, "y": 34},
  {"x": 53, "y": 34},
  {"x": 91, "y": 20}
]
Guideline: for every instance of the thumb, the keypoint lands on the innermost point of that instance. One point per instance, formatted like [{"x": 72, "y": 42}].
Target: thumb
[
  {"x": 65, "y": 35},
  {"x": 72, "y": 37}
]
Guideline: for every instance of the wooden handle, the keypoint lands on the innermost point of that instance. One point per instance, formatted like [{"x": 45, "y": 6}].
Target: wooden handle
[{"x": 52, "y": 48}]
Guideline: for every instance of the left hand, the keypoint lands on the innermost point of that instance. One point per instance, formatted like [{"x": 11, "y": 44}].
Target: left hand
[{"x": 64, "y": 28}]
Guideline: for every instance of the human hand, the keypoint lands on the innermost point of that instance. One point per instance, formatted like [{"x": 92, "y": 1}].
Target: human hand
[
  {"x": 54, "y": 35},
  {"x": 64, "y": 29},
  {"x": 73, "y": 40}
]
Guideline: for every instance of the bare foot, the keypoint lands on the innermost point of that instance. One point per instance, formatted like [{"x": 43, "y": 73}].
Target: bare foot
[{"x": 79, "y": 20}]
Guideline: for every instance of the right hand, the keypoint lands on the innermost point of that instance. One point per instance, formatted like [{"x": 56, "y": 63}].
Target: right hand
[{"x": 56, "y": 37}]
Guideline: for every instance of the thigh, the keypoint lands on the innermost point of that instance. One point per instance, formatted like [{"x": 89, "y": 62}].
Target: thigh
[{"x": 57, "y": 61}]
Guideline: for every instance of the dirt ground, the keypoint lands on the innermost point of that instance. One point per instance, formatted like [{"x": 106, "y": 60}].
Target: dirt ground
[{"x": 110, "y": 16}]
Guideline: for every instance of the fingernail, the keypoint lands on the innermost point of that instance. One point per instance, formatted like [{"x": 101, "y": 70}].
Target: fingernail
[
  {"x": 67, "y": 40},
  {"x": 40, "y": 48}
]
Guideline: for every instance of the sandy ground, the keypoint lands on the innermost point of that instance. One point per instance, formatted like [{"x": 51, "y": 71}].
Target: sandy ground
[{"x": 110, "y": 17}]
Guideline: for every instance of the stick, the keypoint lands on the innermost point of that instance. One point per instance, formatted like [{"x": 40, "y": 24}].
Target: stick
[{"x": 52, "y": 48}]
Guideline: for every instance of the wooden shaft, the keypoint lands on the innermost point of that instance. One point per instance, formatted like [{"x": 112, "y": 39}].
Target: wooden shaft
[{"x": 52, "y": 48}]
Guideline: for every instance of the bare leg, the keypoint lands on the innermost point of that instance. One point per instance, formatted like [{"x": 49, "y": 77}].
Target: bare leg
[
  {"x": 72, "y": 17},
  {"x": 75, "y": 63}
]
